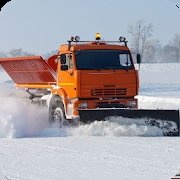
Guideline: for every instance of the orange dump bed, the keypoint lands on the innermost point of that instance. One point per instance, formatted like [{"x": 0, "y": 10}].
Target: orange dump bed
[{"x": 29, "y": 70}]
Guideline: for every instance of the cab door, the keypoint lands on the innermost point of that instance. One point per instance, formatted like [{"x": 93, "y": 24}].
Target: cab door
[{"x": 67, "y": 76}]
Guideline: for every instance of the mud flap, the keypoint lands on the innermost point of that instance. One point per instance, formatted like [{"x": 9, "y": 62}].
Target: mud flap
[{"x": 100, "y": 114}]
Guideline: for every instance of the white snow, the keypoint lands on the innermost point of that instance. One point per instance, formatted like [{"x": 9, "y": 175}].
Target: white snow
[
  {"x": 29, "y": 150},
  {"x": 160, "y": 79}
]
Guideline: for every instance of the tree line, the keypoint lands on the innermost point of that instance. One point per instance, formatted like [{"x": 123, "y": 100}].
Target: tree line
[
  {"x": 16, "y": 52},
  {"x": 140, "y": 41},
  {"x": 151, "y": 50}
]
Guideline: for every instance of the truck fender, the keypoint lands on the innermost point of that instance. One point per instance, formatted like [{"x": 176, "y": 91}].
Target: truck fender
[{"x": 62, "y": 94}]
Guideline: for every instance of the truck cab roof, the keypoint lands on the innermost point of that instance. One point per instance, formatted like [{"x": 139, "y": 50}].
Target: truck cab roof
[{"x": 92, "y": 45}]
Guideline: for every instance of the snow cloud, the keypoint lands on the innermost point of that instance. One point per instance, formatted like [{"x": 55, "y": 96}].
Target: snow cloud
[
  {"x": 112, "y": 127},
  {"x": 19, "y": 118}
]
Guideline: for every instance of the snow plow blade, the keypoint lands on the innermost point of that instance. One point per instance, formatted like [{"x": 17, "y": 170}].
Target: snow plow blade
[{"x": 167, "y": 120}]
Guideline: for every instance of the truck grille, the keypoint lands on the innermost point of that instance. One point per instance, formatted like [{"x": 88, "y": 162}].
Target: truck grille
[{"x": 109, "y": 92}]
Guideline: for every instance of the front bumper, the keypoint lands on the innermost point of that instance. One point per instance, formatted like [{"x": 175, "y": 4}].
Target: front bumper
[{"x": 107, "y": 103}]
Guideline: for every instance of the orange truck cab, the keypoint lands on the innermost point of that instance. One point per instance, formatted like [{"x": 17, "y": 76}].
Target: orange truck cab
[{"x": 93, "y": 75}]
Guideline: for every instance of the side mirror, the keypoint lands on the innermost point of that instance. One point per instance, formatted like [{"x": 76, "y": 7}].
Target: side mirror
[
  {"x": 63, "y": 58},
  {"x": 138, "y": 57},
  {"x": 64, "y": 67}
]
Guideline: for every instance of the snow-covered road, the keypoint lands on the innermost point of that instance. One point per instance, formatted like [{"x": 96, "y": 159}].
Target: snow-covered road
[
  {"x": 72, "y": 157},
  {"x": 96, "y": 151}
]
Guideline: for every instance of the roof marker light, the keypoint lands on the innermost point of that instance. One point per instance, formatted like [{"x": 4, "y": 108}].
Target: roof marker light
[
  {"x": 77, "y": 39},
  {"x": 72, "y": 38},
  {"x": 98, "y": 36},
  {"x": 122, "y": 39}
]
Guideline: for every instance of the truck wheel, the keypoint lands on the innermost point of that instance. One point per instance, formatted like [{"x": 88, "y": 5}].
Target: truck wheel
[{"x": 57, "y": 116}]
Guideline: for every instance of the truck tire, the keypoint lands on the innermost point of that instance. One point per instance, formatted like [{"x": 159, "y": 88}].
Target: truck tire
[{"x": 57, "y": 116}]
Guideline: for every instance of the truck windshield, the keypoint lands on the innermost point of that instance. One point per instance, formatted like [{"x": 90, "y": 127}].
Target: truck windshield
[{"x": 103, "y": 59}]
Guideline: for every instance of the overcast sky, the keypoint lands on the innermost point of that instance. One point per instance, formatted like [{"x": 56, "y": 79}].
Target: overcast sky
[{"x": 40, "y": 26}]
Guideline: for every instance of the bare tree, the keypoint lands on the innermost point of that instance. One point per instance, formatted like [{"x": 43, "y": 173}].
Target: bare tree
[
  {"x": 176, "y": 44},
  {"x": 18, "y": 52},
  {"x": 153, "y": 51},
  {"x": 171, "y": 51},
  {"x": 3, "y": 54},
  {"x": 15, "y": 52},
  {"x": 49, "y": 54},
  {"x": 140, "y": 32}
]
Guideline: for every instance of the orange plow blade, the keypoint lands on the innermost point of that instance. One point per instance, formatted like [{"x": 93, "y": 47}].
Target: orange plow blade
[{"x": 28, "y": 71}]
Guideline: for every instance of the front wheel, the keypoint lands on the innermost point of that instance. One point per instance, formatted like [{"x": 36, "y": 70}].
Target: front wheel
[{"x": 57, "y": 116}]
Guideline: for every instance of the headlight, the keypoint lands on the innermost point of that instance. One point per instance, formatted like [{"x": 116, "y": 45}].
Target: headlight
[
  {"x": 132, "y": 103},
  {"x": 83, "y": 105}
]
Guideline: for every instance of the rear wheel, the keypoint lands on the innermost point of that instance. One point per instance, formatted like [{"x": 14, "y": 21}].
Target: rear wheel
[{"x": 57, "y": 116}]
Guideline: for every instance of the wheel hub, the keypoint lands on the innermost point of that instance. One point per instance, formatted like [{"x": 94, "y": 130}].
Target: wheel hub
[{"x": 58, "y": 117}]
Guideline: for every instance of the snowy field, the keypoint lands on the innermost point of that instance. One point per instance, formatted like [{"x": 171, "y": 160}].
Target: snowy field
[{"x": 29, "y": 150}]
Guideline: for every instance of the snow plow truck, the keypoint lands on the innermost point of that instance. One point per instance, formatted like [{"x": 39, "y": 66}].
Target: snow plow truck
[{"x": 88, "y": 81}]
